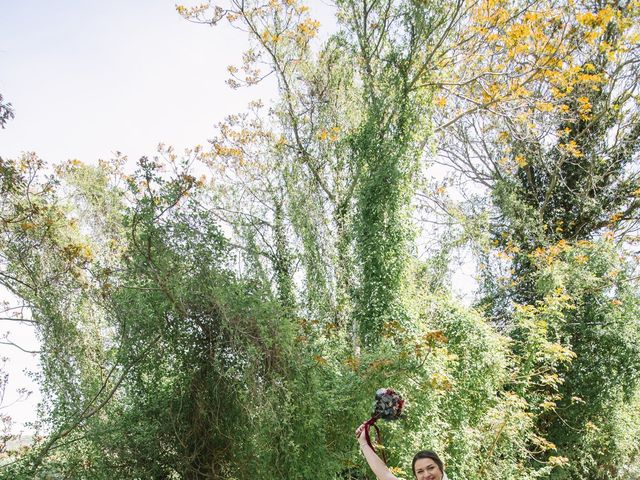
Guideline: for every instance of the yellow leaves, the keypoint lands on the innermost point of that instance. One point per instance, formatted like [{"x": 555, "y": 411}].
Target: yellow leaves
[
  {"x": 428, "y": 342},
  {"x": 544, "y": 106},
  {"x": 558, "y": 461},
  {"x": 584, "y": 107},
  {"x": 491, "y": 92},
  {"x": 523, "y": 117},
  {"x": 632, "y": 38},
  {"x": 596, "y": 20},
  {"x": 615, "y": 217},
  {"x": 587, "y": 19},
  {"x": 320, "y": 360},
  {"x": 503, "y": 255},
  {"x": 525, "y": 308},
  {"x": 268, "y": 37},
  {"x": 551, "y": 379},
  {"x": 397, "y": 471},
  {"x": 78, "y": 251},
  {"x": 613, "y": 273},
  {"x": 521, "y": 161},
  {"x": 86, "y": 253},
  {"x": 440, "y": 381},
  {"x": 595, "y": 24},
  {"x": 590, "y": 426},
  {"x": 548, "y": 405},
  {"x": 26, "y": 226},
  {"x": 353, "y": 363},
  {"x": 570, "y": 148},
  {"x": 281, "y": 142},
  {"x": 499, "y": 17},
  {"x": 224, "y": 151},
  {"x": 392, "y": 328},
  {"x": 440, "y": 101},
  {"x": 331, "y": 135},
  {"x": 582, "y": 259},
  {"x": 544, "y": 444},
  {"x": 516, "y": 33},
  {"x": 490, "y": 4},
  {"x": 437, "y": 336},
  {"x": 605, "y": 47},
  {"x": 532, "y": 17},
  {"x": 191, "y": 12},
  {"x": 308, "y": 28},
  {"x": 520, "y": 91},
  {"x": 560, "y": 352},
  {"x": 517, "y": 48},
  {"x": 551, "y": 253},
  {"x": 591, "y": 36}
]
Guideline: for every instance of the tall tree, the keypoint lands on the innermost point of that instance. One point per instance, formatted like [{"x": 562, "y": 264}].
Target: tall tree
[{"x": 559, "y": 157}]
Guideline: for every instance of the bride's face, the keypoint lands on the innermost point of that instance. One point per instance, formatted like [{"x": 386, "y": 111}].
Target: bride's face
[{"x": 426, "y": 469}]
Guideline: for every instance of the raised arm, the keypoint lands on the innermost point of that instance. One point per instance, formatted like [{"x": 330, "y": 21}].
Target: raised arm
[{"x": 378, "y": 467}]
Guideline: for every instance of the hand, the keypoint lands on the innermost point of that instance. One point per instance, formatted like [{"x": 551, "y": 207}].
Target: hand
[{"x": 360, "y": 434}]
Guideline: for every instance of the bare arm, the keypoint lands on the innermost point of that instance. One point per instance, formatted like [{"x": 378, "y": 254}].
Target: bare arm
[{"x": 377, "y": 465}]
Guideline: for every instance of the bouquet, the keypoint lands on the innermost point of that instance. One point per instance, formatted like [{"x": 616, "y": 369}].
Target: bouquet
[{"x": 388, "y": 406}]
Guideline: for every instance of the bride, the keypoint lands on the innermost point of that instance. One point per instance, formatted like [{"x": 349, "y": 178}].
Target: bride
[{"x": 426, "y": 464}]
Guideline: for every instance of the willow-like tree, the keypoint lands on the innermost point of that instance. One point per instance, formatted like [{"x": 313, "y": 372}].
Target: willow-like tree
[{"x": 352, "y": 124}]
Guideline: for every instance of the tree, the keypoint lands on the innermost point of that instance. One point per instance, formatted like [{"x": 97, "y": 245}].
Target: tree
[{"x": 558, "y": 158}]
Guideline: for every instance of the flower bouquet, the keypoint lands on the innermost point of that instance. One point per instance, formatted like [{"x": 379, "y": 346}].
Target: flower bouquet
[{"x": 387, "y": 406}]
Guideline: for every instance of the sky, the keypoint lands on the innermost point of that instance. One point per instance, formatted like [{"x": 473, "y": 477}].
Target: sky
[{"x": 87, "y": 78}]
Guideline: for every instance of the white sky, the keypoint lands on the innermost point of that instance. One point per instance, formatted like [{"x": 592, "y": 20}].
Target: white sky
[{"x": 90, "y": 77}]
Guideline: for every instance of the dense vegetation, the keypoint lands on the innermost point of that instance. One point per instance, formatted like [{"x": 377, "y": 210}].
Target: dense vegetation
[{"x": 229, "y": 312}]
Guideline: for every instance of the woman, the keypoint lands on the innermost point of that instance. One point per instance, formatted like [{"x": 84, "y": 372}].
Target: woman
[{"x": 426, "y": 465}]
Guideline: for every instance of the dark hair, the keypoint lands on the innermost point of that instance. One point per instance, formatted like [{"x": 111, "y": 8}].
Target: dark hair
[{"x": 427, "y": 454}]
